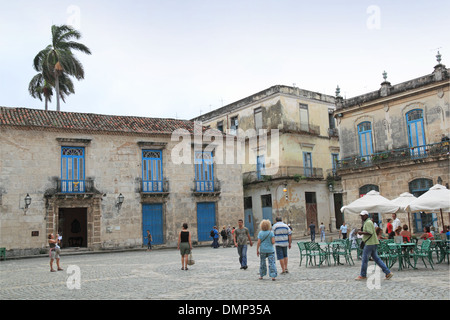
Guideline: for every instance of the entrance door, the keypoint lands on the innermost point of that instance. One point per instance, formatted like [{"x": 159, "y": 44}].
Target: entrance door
[
  {"x": 72, "y": 226},
  {"x": 206, "y": 219},
  {"x": 266, "y": 204},
  {"x": 152, "y": 219},
  {"x": 248, "y": 213},
  {"x": 311, "y": 209}
]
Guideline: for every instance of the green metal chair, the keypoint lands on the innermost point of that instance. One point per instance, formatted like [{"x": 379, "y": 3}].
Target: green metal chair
[
  {"x": 423, "y": 252},
  {"x": 303, "y": 250},
  {"x": 383, "y": 252},
  {"x": 342, "y": 248},
  {"x": 395, "y": 254},
  {"x": 314, "y": 250}
]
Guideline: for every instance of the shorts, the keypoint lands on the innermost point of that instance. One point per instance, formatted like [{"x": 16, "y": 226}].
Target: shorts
[
  {"x": 184, "y": 248},
  {"x": 54, "y": 253},
  {"x": 281, "y": 252}
]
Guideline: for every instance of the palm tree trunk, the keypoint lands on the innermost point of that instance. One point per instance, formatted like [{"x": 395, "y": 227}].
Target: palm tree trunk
[
  {"x": 57, "y": 90},
  {"x": 46, "y": 104}
]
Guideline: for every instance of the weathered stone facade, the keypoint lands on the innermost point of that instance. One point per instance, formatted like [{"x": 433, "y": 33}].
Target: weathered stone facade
[
  {"x": 294, "y": 122},
  {"x": 400, "y": 147},
  {"x": 31, "y": 163}
]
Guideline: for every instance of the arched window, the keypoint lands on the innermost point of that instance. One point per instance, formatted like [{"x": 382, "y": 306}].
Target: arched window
[
  {"x": 418, "y": 187},
  {"x": 368, "y": 187},
  {"x": 365, "y": 138},
  {"x": 416, "y": 132}
]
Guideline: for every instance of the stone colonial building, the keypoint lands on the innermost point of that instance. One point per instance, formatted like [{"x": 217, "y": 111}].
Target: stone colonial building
[
  {"x": 289, "y": 148},
  {"x": 391, "y": 142},
  {"x": 102, "y": 181}
]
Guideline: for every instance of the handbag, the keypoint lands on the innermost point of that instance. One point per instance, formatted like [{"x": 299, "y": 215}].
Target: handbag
[
  {"x": 363, "y": 244},
  {"x": 191, "y": 260}
]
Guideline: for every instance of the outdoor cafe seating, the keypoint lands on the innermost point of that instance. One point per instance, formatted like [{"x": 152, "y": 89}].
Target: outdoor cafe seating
[{"x": 324, "y": 252}]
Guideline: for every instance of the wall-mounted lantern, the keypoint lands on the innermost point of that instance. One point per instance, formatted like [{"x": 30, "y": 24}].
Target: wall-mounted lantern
[{"x": 120, "y": 199}]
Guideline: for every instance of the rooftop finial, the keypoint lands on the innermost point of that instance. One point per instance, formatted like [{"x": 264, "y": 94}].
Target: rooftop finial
[
  {"x": 338, "y": 91},
  {"x": 384, "y": 75},
  {"x": 438, "y": 57}
]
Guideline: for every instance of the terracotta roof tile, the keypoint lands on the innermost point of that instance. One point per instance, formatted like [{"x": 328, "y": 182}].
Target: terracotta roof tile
[{"x": 24, "y": 117}]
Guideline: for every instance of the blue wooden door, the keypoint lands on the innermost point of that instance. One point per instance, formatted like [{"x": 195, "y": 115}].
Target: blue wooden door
[
  {"x": 152, "y": 219},
  {"x": 206, "y": 219},
  {"x": 248, "y": 213}
]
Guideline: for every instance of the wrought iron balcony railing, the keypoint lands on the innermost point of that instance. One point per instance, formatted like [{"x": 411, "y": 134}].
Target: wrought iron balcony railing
[
  {"x": 75, "y": 186},
  {"x": 201, "y": 186},
  {"x": 155, "y": 186},
  {"x": 394, "y": 155}
]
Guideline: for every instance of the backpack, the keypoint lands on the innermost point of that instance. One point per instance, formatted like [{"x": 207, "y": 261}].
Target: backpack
[{"x": 212, "y": 234}]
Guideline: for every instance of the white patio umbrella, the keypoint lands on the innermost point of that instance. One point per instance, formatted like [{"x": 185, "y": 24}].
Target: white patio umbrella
[
  {"x": 372, "y": 202},
  {"x": 403, "y": 201},
  {"x": 437, "y": 198}
]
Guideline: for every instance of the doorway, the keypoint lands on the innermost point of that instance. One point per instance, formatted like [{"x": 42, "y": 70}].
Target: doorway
[
  {"x": 72, "y": 226},
  {"x": 311, "y": 208}
]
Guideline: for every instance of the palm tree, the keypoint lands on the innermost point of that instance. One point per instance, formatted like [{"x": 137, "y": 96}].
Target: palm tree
[
  {"x": 57, "y": 59},
  {"x": 39, "y": 87}
]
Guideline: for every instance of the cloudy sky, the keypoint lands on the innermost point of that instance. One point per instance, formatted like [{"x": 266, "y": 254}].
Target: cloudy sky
[{"x": 180, "y": 58}]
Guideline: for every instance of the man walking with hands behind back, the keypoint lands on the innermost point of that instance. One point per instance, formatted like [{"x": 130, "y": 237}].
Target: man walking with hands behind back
[
  {"x": 241, "y": 235},
  {"x": 283, "y": 240}
]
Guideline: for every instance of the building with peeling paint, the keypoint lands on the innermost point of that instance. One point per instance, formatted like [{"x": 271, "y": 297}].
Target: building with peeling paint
[{"x": 289, "y": 151}]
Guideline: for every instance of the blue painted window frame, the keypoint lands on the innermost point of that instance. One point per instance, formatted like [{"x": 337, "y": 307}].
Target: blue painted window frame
[
  {"x": 334, "y": 160},
  {"x": 204, "y": 171},
  {"x": 418, "y": 187},
  {"x": 73, "y": 169},
  {"x": 307, "y": 163},
  {"x": 416, "y": 132},
  {"x": 260, "y": 166},
  {"x": 152, "y": 171},
  {"x": 365, "y": 138}
]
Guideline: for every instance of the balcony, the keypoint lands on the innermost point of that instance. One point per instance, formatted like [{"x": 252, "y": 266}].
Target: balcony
[
  {"x": 75, "y": 186},
  {"x": 395, "y": 156},
  {"x": 296, "y": 173},
  {"x": 206, "y": 187},
  {"x": 154, "y": 188}
]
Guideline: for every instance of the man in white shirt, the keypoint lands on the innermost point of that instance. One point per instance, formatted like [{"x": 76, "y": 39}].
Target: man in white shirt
[
  {"x": 343, "y": 231},
  {"x": 283, "y": 240},
  {"x": 396, "y": 222}
]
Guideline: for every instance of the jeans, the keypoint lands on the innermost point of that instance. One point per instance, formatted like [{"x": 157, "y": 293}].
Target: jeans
[
  {"x": 242, "y": 251},
  {"x": 262, "y": 264},
  {"x": 322, "y": 236},
  {"x": 313, "y": 236},
  {"x": 371, "y": 251}
]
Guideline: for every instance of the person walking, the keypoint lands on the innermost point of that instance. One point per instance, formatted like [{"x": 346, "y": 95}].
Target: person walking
[
  {"x": 283, "y": 241},
  {"x": 54, "y": 252},
  {"x": 215, "y": 236},
  {"x": 312, "y": 230},
  {"x": 370, "y": 248},
  {"x": 322, "y": 232},
  {"x": 240, "y": 236},
  {"x": 343, "y": 231},
  {"x": 149, "y": 240},
  {"x": 184, "y": 245},
  {"x": 266, "y": 240},
  {"x": 223, "y": 233}
]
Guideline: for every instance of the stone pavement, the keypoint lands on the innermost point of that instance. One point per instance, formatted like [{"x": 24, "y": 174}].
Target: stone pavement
[{"x": 216, "y": 275}]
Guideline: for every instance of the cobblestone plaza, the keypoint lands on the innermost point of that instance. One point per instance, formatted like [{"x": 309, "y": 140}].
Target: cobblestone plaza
[{"x": 157, "y": 275}]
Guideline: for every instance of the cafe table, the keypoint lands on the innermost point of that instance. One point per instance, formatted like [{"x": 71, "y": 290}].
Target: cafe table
[{"x": 403, "y": 250}]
